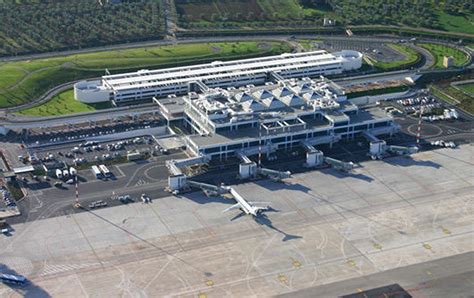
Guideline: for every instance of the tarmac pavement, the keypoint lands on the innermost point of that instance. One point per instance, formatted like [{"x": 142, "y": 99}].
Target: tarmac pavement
[{"x": 327, "y": 227}]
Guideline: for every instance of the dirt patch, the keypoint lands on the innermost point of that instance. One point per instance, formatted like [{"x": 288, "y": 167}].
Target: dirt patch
[
  {"x": 264, "y": 46},
  {"x": 216, "y": 49}
]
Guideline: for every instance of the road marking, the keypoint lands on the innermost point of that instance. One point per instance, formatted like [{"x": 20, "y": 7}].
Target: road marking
[
  {"x": 58, "y": 268},
  {"x": 141, "y": 182}
]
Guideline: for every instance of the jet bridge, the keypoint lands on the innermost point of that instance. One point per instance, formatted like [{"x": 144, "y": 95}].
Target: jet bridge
[
  {"x": 314, "y": 157},
  {"x": 379, "y": 148},
  {"x": 338, "y": 164},
  {"x": 177, "y": 180},
  {"x": 249, "y": 169},
  {"x": 273, "y": 174},
  {"x": 208, "y": 189}
]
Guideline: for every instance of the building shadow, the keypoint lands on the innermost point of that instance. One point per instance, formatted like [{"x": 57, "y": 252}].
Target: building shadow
[
  {"x": 276, "y": 186},
  {"x": 81, "y": 179},
  {"x": 39, "y": 185},
  {"x": 28, "y": 290},
  {"x": 408, "y": 161},
  {"x": 342, "y": 175}
]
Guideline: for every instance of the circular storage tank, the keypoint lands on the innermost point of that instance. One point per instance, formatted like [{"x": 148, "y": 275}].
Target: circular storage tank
[
  {"x": 90, "y": 92},
  {"x": 351, "y": 60}
]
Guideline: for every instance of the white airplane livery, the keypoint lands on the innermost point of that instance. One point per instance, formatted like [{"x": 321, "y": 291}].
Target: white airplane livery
[{"x": 249, "y": 208}]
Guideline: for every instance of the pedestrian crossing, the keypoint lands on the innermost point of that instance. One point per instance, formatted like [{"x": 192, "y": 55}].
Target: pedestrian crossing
[
  {"x": 141, "y": 182},
  {"x": 25, "y": 267},
  {"x": 50, "y": 269},
  {"x": 451, "y": 131}
]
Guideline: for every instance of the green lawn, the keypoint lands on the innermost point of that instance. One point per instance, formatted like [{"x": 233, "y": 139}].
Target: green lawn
[
  {"x": 9, "y": 75},
  {"x": 307, "y": 44},
  {"x": 63, "y": 104},
  {"x": 35, "y": 77},
  {"x": 439, "y": 51},
  {"x": 438, "y": 92},
  {"x": 447, "y": 92},
  {"x": 411, "y": 57},
  {"x": 469, "y": 88},
  {"x": 282, "y": 8},
  {"x": 456, "y": 23}
]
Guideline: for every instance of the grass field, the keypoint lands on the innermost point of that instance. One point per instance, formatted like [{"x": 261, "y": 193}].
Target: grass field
[
  {"x": 63, "y": 104},
  {"x": 469, "y": 88},
  {"x": 10, "y": 75},
  {"x": 447, "y": 92},
  {"x": 23, "y": 81},
  {"x": 308, "y": 44},
  {"x": 438, "y": 92},
  {"x": 456, "y": 23},
  {"x": 411, "y": 56},
  {"x": 439, "y": 51}
]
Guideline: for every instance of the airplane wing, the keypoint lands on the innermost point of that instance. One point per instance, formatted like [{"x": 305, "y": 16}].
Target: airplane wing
[
  {"x": 233, "y": 207},
  {"x": 260, "y": 204}
]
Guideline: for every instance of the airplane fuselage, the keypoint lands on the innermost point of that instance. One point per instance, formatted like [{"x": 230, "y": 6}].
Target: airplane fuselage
[{"x": 244, "y": 205}]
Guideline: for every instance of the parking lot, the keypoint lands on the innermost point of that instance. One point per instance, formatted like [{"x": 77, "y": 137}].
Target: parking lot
[
  {"x": 376, "y": 50},
  {"x": 91, "y": 151},
  {"x": 68, "y": 133},
  {"x": 46, "y": 200}
]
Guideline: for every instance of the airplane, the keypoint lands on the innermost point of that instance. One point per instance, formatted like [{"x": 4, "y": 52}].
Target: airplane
[{"x": 249, "y": 208}]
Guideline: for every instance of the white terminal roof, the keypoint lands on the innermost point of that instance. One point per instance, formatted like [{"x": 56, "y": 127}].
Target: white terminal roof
[{"x": 215, "y": 70}]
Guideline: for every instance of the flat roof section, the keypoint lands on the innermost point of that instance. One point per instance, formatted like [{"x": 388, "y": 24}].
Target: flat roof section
[
  {"x": 368, "y": 114},
  {"x": 248, "y": 133},
  {"x": 211, "y": 71},
  {"x": 213, "y": 64},
  {"x": 171, "y": 108},
  {"x": 253, "y": 133}
]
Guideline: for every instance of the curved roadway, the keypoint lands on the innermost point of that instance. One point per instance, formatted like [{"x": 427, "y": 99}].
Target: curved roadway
[{"x": 17, "y": 122}]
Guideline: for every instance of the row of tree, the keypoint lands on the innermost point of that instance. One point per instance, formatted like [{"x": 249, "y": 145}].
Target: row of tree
[
  {"x": 420, "y": 13},
  {"x": 53, "y": 25}
]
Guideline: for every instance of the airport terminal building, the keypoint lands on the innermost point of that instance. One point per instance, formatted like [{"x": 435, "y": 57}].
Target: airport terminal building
[
  {"x": 146, "y": 84},
  {"x": 277, "y": 115}
]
